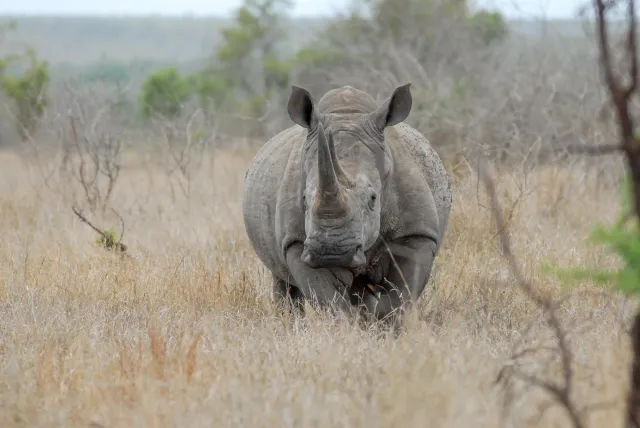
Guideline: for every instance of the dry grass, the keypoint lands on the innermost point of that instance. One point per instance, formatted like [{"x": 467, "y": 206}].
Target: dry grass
[{"x": 182, "y": 334}]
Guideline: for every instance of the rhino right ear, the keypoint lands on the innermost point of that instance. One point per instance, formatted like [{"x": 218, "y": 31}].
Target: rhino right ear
[
  {"x": 394, "y": 110},
  {"x": 301, "y": 107}
]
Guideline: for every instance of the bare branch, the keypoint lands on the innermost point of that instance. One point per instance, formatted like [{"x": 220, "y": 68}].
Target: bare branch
[
  {"x": 562, "y": 393},
  {"x": 92, "y": 147},
  {"x": 109, "y": 243},
  {"x": 593, "y": 150}
]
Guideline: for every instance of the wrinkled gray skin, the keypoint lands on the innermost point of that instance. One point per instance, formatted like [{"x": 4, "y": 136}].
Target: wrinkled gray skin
[{"x": 327, "y": 199}]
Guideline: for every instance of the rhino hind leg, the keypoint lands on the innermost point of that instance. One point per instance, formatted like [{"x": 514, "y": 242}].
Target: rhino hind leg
[{"x": 288, "y": 297}]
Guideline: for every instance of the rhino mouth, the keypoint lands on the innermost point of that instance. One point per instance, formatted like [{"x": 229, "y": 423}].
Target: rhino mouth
[{"x": 351, "y": 257}]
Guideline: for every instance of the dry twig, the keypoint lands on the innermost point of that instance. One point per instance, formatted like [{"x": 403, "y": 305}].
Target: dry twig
[
  {"x": 92, "y": 148},
  {"x": 109, "y": 242},
  {"x": 186, "y": 145}
]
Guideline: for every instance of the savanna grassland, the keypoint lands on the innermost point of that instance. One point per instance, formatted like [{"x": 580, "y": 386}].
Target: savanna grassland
[
  {"x": 180, "y": 330},
  {"x": 181, "y": 333}
]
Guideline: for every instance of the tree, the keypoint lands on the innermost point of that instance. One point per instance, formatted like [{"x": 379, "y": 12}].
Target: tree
[
  {"x": 5, "y": 27},
  {"x": 209, "y": 87},
  {"x": 251, "y": 55},
  {"x": 107, "y": 70},
  {"x": 432, "y": 32},
  {"x": 490, "y": 26},
  {"x": 623, "y": 237},
  {"x": 28, "y": 92},
  {"x": 164, "y": 92},
  {"x": 404, "y": 21}
]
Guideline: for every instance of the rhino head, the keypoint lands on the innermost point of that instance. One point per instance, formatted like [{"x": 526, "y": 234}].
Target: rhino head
[{"x": 346, "y": 168}]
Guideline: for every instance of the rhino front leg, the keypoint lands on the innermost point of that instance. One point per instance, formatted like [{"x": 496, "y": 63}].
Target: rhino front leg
[
  {"x": 288, "y": 297},
  {"x": 409, "y": 271},
  {"x": 323, "y": 287}
]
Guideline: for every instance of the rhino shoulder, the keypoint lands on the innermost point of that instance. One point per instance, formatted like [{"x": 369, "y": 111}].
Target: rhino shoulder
[
  {"x": 429, "y": 161},
  {"x": 276, "y": 148},
  {"x": 413, "y": 155},
  {"x": 263, "y": 195}
]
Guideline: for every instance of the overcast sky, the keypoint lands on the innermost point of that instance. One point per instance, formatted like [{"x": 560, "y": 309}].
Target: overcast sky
[{"x": 550, "y": 8}]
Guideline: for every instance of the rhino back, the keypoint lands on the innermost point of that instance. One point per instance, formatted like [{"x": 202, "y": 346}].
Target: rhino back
[
  {"x": 264, "y": 189},
  {"x": 415, "y": 159}
]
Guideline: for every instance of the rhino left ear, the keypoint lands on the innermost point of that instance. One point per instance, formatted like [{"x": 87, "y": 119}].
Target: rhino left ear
[{"x": 395, "y": 109}]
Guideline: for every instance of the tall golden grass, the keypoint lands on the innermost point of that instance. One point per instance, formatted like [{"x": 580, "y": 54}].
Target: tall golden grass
[{"x": 182, "y": 333}]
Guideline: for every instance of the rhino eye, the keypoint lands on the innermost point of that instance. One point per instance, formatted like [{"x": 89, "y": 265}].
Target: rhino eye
[{"x": 372, "y": 201}]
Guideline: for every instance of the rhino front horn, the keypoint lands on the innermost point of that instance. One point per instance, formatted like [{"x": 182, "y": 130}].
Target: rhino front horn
[{"x": 330, "y": 200}]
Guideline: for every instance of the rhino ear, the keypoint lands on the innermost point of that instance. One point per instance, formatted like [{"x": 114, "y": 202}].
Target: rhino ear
[
  {"x": 395, "y": 109},
  {"x": 301, "y": 107}
]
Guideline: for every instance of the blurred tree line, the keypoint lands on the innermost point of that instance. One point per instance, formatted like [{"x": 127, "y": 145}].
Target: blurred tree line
[
  {"x": 24, "y": 82},
  {"x": 254, "y": 65}
]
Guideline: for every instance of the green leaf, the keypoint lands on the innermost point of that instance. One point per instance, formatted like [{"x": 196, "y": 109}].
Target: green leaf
[{"x": 623, "y": 238}]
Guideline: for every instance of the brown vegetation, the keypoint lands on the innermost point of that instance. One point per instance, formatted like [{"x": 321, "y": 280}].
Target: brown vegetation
[{"x": 182, "y": 332}]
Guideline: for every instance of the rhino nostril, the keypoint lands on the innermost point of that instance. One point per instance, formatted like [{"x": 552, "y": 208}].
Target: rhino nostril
[
  {"x": 307, "y": 258},
  {"x": 316, "y": 255}
]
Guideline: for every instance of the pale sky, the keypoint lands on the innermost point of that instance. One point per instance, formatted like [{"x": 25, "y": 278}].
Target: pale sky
[{"x": 512, "y": 8}]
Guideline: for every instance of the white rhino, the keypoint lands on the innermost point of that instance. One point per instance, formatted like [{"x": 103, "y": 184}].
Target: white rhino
[{"x": 327, "y": 201}]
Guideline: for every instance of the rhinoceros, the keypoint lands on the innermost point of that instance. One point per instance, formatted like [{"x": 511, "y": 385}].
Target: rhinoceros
[{"x": 348, "y": 207}]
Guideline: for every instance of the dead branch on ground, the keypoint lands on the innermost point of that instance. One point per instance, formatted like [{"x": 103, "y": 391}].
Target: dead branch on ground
[{"x": 108, "y": 240}]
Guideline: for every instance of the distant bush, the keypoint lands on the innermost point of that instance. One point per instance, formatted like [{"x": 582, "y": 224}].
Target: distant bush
[
  {"x": 490, "y": 26},
  {"x": 164, "y": 92},
  {"x": 107, "y": 71},
  {"x": 250, "y": 54},
  {"x": 209, "y": 87},
  {"x": 28, "y": 93},
  {"x": 424, "y": 33}
]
